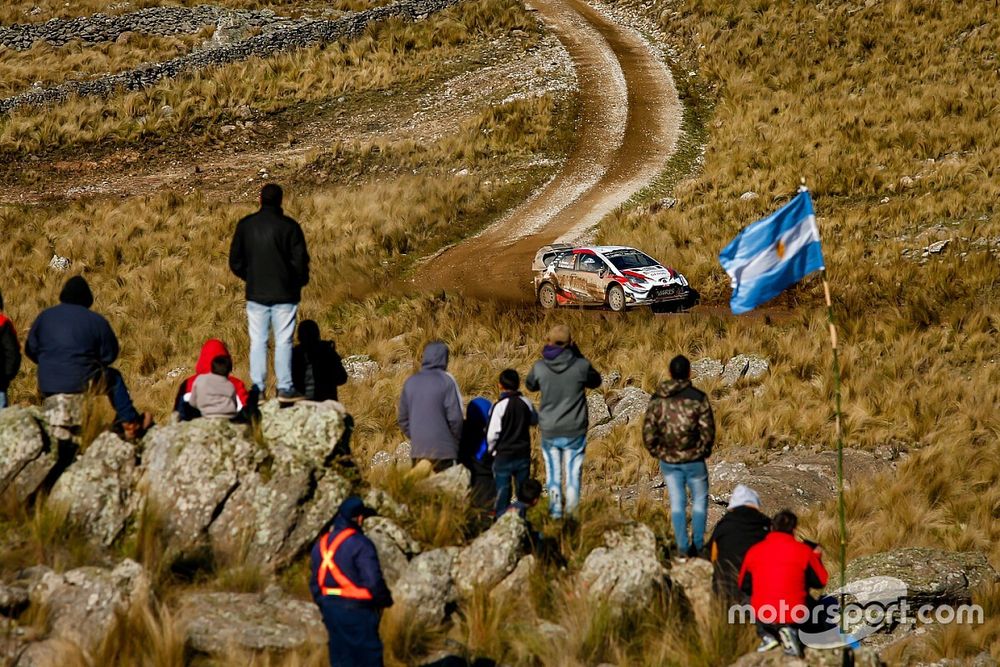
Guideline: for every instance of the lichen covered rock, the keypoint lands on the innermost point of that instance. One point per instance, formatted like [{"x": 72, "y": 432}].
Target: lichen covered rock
[{"x": 491, "y": 556}]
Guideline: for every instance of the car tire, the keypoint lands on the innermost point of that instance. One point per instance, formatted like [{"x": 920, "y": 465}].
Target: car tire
[
  {"x": 547, "y": 296},
  {"x": 616, "y": 298}
]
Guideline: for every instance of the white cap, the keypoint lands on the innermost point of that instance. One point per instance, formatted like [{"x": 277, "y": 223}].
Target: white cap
[{"x": 744, "y": 495}]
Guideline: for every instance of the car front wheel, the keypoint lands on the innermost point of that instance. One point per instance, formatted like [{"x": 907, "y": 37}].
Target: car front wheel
[
  {"x": 547, "y": 296},
  {"x": 616, "y": 298}
]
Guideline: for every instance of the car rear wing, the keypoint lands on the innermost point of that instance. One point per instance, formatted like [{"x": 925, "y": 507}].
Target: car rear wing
[{"x": 547, "y": 253}]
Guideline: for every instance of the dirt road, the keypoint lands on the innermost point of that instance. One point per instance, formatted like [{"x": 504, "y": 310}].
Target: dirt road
[{"x": 628, "y": 126}]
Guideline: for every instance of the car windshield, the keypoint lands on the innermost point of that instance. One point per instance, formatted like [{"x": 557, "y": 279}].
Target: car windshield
[{"x": 630, "y": 259}]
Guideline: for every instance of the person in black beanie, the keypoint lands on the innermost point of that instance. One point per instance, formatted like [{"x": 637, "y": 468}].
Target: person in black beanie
[
  {"x": 10, "y": 354},
  {"x": 74, "y": 348}
]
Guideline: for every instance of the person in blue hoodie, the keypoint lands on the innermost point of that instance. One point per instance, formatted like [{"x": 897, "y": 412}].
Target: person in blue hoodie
[
  {"x": 474, "y": 454},
  {"x": 74, "y": 348},
  {"x": 430, "y": 410},
  {"x": 347, "y": 585}
]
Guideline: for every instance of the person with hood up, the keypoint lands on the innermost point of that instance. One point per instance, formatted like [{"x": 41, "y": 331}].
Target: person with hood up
[
  {"x": 74, "y": 348},
  {"x": 742, "y": 526},
  {"x": 562, "y": 375},
  {"x": 679, "y": 430},
  {"x": 347, "y": 585},
  {"x": 212, "y": 348},
  {"x": 430, "y": 410},
  {"x": 10, "y": 354},
  {"x": 474, "y": 453}
]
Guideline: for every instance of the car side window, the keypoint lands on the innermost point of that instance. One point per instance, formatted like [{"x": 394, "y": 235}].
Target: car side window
[
  {"x": 591, "y": 263},
  {"x": 566, "y": 262}
]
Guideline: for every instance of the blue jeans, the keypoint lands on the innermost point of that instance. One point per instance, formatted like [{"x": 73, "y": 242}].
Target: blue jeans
[
  {"x": 503, "y": 472},
  {"x": 3, "y": 399},
  {"x": 262, "y": 319},
  {"x": 563, "y": 460},
  {"x": 682, "y": 478}
]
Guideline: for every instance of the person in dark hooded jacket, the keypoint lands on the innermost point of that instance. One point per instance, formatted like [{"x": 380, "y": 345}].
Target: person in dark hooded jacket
[
  {"x": 212, "y": 348},
  {"x": 430, "y": 410},
  {"x": 474, "y": 453},
  {"x": 562, "y": 375},
  {"x": 10, "y": 354},
  {"x": 742, "y": 526},
  {"x": 347, "y": 585},
  {"x": 74, "y": 348},
  {"x": 317, "y": 369}
]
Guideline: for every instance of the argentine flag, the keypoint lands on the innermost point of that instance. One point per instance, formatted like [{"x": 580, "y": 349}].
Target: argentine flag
[{"x": 773, "y": 254}]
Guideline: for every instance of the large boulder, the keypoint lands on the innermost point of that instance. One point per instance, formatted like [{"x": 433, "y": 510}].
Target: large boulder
[
  {"x": 96, "y": 491},
  {"x": 744, "y": 366},
  {"x": 63, "y": 413},
  {"x": 82, "y": 606},
  {"x": 311, "y": 430},
  {"x": 517, "y": 582},
  {"x": 27, "y": 456},
  {"x": 706, "y": 369},
  {"x": 491, "y": 556},
  {"x": 626, "y": 571},
  {"x": 597, "y": 409},
  {"x": 394, "y": 547},
  {"x": 693, "y": 579},
  {"x": 217, "y": 622},
  {"x": 629, "y": 404},
  {"x": 931, "y": 576},
  {"x": 427, "y": 587},
  {"x": 453, "y": 481}
]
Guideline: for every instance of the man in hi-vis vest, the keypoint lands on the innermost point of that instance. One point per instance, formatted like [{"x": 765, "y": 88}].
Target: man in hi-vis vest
[{"x": 348, "y": 588}]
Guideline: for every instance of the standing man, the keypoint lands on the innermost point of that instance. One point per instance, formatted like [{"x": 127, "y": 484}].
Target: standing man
[
  {"x": 10, "y": 354},
  {"x": 679, "y": 430},
  {"x": 562, "y": 375},
  {"x": 348, "y": 587},
  {"x": 430, "y": 410},
  {"x": 269, "y": 253}
]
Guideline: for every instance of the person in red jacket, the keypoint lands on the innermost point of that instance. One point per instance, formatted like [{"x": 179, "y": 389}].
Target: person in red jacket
[
  {"x": 212, "y": 348},
  {"x": 777, "y": 574}
]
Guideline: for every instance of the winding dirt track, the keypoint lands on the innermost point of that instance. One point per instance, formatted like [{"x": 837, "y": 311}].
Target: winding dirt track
[{"x": 628, "y": 126}]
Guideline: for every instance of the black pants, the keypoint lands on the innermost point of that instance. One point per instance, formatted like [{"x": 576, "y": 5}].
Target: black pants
[{"x": 353, "y": 633}]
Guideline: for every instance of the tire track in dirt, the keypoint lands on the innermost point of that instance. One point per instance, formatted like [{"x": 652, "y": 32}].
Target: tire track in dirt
[{"x": 628, "y": 126}]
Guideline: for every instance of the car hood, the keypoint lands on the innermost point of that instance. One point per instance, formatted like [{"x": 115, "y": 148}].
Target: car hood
[{"x": 659, "y": 275}]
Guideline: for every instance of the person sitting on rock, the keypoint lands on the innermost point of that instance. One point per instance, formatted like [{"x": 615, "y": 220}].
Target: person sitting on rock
[
  {"x": 474, "y": 454},
  {"x": 743, "y": 526},
  {"x": 347, "y": 585},
  {"x": 10, "y": 354},
  {"x": 430, "y": 410},
  {"x": 777, "y": 574},
  {"x": 509, "y": 438},
  {"x": 74, "y": 348},
  {"x": 317, "y": 369},
  {"x": 213, "y": 395},
  {"x": 212, "y": 349}
]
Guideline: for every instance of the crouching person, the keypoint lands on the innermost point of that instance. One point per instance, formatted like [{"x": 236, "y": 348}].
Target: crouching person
[{"x": 348, "y": 587}]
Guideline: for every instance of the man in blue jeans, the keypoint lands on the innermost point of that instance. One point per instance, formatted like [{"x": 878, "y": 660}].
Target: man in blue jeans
[
  {"x": 679, "y": 430},
  {"x": 508, "y": 437},
  {"x": 562, "y": 375},
  {"x": 269, "y": 253}
]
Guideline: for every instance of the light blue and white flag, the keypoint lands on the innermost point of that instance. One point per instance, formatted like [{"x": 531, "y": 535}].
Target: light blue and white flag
[{"x": 772, "y": 254}]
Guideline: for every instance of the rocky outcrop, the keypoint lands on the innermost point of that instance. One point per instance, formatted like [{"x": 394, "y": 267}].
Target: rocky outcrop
[
  {"x": 27, "y": 456},
  {"x": 401, "y": 456},
  {"x": 623, "y": 406},
  {"x": 931, "y": 576},
  {"x": 862, "y": 658},
  {"x": 597, "y": 409},
  {"x": 517, "y": 582},
  {"x": 693, "y": 579},
  {"x": 427, "y": 587},
  {"x": 82, "y": 606},
  {"x": 96, "y": 490},
  {"x": 394, "y": 546},
  {"x": 454, "y": 481},
  {"x": 744, "y": 366},
  {"x": 216, "y": 622},
  {"x": 63, "y": 414},
  {"x": 627, "y": 570},
  {"x": 491, "y": 556}
]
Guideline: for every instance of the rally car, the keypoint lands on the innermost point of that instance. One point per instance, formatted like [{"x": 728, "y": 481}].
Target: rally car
[{"x": 618, "y": 277}]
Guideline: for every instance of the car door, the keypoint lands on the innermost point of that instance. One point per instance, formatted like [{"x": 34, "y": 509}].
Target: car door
[
  {"x": 563, "y": 273},
  {"x": 590, "y": 278}
]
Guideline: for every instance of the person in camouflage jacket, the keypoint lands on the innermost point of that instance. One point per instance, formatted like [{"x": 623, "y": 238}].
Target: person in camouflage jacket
[{"x": 679, "y": 430}]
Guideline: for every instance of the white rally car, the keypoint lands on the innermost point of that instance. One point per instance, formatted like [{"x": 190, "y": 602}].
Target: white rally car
[{"x": 616, "y": 276}]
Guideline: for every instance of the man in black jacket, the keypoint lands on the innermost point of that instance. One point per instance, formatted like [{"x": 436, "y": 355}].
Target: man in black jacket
[
  {"x": 74, "y": 348},
  {"x": 269, "y": 253},
  {"x": 509, "y": 438},
  {"x": 10, "y": 354},
  {"x": 743, "y": 526}
]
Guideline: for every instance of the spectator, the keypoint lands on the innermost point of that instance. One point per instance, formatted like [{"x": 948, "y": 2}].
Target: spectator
[
  {"x": 74, "y": 349},
  {"x": 269, "y": 253},
  {"x": 562, "y": 375},
  {"x": 430, "y": 410},
  {"x": 743, "y": 526},
  {"x": 679, "y": 430},
  {"x": 509, "y": 438},
  {"x": 317, "y": 369},
  {"x": 213, "y": 395},
  {"x": 246, "y": 403},
  {"x": 474, "y": 454},
  {"x": 777, "y": 574},
  {"x": 10, "y": 354}
]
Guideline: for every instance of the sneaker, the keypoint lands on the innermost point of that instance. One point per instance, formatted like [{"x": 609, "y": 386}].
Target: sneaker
[
  {"x": 790, "y": 642},
  {"x": 289, "y": 396},
  {"x": 692, "y": 552},
  {"x": 767, "y": 642}
]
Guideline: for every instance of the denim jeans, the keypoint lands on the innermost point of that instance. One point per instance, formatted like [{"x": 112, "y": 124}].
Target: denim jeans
[
  {"x": 262, "y": 319},
  {"x": 120, "y": 399},
  {"x": 563, "y": 461},
  {"x": 503, "y": 471},
  {"x": 681, "y": 479},
  {"x": 3, "y": 399}
]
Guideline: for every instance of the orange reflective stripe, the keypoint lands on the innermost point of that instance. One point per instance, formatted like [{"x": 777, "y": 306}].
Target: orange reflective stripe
[{"x": 345, "y": 587}]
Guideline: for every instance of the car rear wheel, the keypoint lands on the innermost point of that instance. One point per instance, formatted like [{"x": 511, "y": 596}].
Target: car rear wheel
[
  {"x": 547, "y": 296},
  {"x": 616, "y": 298}
]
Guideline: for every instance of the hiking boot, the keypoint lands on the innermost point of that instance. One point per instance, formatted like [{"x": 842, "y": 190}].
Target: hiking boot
[
  {"x": 767, "y": 642},
  {"x": 289, "y": 396},
  {"x": 132, "y": 431},
  {"x": 692, "y": 552},
  {"x": 790, "y": 642}
]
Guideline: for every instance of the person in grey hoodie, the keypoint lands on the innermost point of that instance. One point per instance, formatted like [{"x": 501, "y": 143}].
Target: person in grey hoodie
[
  {"x": 430, "y": 410},
  {"x": 562, "y": 375}
]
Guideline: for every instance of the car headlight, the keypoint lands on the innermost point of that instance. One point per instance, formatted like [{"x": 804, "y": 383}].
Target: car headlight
[{"x": 640, "y": 283}]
